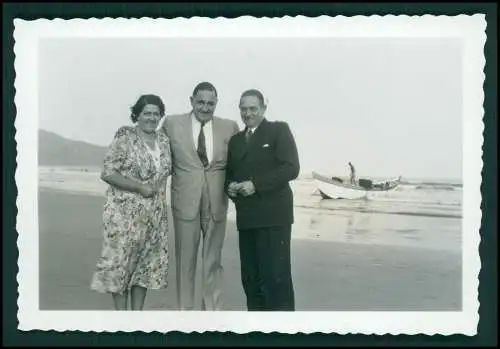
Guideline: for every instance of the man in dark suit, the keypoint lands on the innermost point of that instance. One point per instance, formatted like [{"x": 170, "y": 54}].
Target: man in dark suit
[{"x": 262, "y": 159}]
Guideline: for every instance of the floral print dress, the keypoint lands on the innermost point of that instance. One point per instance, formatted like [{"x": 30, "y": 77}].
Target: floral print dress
[{"x": 135, "y": 246}]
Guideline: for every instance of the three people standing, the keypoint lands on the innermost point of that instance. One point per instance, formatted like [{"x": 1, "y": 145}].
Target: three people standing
[{"x": 208, "y": 158}]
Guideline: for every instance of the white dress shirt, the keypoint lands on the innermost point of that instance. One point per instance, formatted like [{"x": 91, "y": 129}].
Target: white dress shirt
[
  {"x": 254, "y": 128},
  {"x": 207, "y": 130}
]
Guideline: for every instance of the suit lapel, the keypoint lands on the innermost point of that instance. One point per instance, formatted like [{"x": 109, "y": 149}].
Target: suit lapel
[
  {"x": 243, "y": 147},
  {"x": 254, "y": 141},
  {"x": 216, "y": 139},
  {"x": 240, "y": 146}
]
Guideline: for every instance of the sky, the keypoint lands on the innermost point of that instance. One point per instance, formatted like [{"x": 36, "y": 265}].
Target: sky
[{"x": 391, "y": 106}]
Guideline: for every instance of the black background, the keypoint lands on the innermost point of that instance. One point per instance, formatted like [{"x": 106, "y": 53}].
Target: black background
[{"x": 487, "y": 335}]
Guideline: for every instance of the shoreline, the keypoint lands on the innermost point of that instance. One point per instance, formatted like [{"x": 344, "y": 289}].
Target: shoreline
[
  {"x": 304, "y": 175},
  {"x": 385, "y": 222},
  {"x": 343, "y": 225}
]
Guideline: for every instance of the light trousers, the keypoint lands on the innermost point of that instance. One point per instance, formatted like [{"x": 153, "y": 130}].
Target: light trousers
[{"x": 188, "y": 234}]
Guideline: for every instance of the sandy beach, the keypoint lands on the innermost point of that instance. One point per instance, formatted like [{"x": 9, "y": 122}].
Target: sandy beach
[{"x": 330, "y": 274}]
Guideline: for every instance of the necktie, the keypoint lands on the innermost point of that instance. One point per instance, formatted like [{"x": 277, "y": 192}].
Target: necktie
[
  {"x": 248, "y": 135},
  {"x": 202, "y": 148}
]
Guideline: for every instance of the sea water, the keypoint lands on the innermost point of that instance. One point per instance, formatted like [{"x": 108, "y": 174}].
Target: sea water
[{"x": 419, "y": 213}]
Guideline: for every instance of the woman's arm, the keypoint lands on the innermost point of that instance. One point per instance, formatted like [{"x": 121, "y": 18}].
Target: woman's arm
[
  {"x": 115, "y": 160},
  {"x": 167, "y": 171},
  {"x": 117, "y": 180}
]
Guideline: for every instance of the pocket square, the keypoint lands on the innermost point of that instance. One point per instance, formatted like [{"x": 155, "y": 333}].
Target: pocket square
[{"x": 265, "y": 145}]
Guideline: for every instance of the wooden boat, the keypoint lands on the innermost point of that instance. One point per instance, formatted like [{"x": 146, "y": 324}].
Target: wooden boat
[{"x": 339, "y": 188}]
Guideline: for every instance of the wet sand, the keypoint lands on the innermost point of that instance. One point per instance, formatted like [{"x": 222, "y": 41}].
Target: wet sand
[{"x": 328, "y": 275}]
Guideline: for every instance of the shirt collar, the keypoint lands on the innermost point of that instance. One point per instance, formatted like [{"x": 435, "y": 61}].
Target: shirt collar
[
  {"x": 256, "y": 127},
  {"x": 195, "y": 120}
]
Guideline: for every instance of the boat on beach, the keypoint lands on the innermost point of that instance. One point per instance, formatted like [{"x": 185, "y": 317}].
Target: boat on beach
[{"x": 339, "y": 188}]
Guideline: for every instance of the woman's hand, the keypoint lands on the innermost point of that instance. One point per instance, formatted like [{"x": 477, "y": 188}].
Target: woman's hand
[{"x": 147, "y": 190}]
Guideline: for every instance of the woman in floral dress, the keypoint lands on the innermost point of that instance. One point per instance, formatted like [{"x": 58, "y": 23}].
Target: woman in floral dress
[{"x": 134, "y": 255}]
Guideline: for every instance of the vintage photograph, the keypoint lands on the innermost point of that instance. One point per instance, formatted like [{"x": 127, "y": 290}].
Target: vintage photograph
[{"x": 219, "y": 172}]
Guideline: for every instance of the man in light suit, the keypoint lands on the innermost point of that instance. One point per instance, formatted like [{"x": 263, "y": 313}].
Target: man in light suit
[
  {"x": 262, "y": 160},
  {"x": 198, "y": 143}
]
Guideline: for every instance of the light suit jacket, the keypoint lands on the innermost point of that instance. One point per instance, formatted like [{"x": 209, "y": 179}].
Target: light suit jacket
[{"x": 188, "y": 173}]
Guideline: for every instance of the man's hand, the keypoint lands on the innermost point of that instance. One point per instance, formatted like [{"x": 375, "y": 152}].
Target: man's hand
[
  {"x": 233, "y": 188},
  {"x": 247, "y": 188}
]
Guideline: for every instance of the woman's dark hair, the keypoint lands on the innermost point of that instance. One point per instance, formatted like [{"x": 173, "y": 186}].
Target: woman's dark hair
[{"x": 144, "y": 100}]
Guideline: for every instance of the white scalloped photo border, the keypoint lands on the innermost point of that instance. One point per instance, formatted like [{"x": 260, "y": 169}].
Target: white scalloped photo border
[{"x": 469, "y": 29}]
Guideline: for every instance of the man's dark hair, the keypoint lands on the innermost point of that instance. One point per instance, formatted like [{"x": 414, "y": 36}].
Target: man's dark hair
[
  {"x": 255, "y": 93},
  {"x": 204, "y": 86}
]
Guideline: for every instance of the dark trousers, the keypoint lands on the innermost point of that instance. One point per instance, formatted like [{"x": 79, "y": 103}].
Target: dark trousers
[{"x": 265, "y": 268}]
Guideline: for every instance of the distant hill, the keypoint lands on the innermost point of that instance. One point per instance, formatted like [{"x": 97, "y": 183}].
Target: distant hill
[{"x": 54, "y": 150}]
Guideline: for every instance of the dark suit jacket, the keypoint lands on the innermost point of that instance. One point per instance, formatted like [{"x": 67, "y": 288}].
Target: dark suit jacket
[{"x": 270, "y": 161}]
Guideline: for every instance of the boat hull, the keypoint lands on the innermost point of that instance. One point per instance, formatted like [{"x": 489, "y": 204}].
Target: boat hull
[{"x": 331, "y": 189}]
